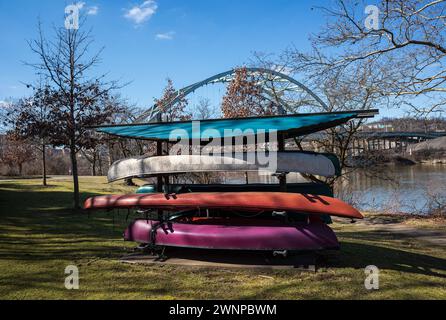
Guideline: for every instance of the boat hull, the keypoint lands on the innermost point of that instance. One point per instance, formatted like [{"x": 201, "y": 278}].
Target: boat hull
[
  {"x": 285, "y": 162},
  {"x": 251, "y": 237},
  {"x": 242, "y": 201}
]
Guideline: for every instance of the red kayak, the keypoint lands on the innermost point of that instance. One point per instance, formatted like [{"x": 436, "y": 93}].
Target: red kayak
[{"x": 241, "y": 201}]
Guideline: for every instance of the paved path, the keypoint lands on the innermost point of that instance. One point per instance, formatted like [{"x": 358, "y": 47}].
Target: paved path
[
  {"x": 435, "y": 236},
  {"x": 225, "y": 259}
]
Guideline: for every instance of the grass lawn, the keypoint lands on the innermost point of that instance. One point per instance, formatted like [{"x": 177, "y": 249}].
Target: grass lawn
[{"x": 40, "y": 236}]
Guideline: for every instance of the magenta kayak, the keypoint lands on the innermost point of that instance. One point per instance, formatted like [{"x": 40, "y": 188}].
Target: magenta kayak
[{"x": 261, "y": 236}]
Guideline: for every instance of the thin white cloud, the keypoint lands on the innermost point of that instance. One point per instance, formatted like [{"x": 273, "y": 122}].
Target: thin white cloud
[
  {"x": 165, "y": 36},
  {"x": 143, "y": 12},
  {"x": 80, "y": 5},
  {"x": 92, "y": 11}
]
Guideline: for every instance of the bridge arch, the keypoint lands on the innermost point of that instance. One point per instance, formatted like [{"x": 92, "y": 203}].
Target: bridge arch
[{"x": 226, "y": 77}]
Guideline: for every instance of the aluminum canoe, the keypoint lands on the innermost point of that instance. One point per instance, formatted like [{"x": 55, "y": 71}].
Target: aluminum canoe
[{"x": 326, "y": 165}]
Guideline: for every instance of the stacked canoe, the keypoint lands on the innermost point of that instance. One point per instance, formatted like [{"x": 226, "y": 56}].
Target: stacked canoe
[
  {"x": 230, "y": 217},
  {"x": 269, "y": 217}
]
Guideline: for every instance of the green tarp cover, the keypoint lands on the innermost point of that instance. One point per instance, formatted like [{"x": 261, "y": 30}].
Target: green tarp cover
[{"x": 289, "y": 126}]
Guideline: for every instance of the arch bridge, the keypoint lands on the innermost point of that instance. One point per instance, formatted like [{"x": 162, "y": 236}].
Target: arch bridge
[
  {"x": 274, "y": 85},
  {"x": 399, "y": 141}
]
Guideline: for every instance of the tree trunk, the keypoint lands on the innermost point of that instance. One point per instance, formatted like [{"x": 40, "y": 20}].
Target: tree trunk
[
  {"x": 44, "y": 165},
  {"x": 72, "y": 131},
  {"x": 93, "y": 165},
  {"x": 74, "y": 171},
  {"x": 100, "y": 165},
  {"x": 110, "y": 154}
]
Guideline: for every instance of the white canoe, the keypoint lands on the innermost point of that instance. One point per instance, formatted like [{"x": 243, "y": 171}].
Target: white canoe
[{"x": 325, "y": 165}]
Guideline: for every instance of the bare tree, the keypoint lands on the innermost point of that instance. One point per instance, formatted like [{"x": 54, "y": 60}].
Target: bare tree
[
  {"x": 31, "y": 120},
  {"x": 351, "y": 87},
  {"x": 171, "y": 113},
  {"x": 119, "y": 148},
  {"x": 244, "y": 97},
  {"x": 94, "y": 145},
  {"x": 204, "y": 110},
  {"x": 16, "y": 152},
  {"x": 408, "y": 38},
  {"x": 67, "y": 64}
]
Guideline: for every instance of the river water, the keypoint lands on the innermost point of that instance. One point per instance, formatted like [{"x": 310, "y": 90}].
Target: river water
[{"x": 407, "y": 189}]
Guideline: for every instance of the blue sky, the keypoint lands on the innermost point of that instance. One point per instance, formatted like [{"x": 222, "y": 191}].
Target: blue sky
[
  {"x": 187, "y": 40},
  {"x": 147, "y": 41}
]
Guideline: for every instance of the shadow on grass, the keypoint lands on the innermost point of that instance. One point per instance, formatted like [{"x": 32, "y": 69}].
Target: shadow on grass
[
  {"x": 357, "y": 254},
  {"x": 431, "y": 238},
  {"x": 40, "y": 226},
  {"x": 360, "y": 255}
]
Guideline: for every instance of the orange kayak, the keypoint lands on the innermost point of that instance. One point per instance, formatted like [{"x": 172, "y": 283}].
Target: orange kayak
[{"x": 242, "y": 201}]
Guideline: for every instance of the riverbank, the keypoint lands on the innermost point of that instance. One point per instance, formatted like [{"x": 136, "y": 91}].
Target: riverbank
[
  {"x": 410, "y": 220},
  {"x": 433, "y": 162},
  {"x": 392, "y": 158},
  {"x": 40, "y": 236}
]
